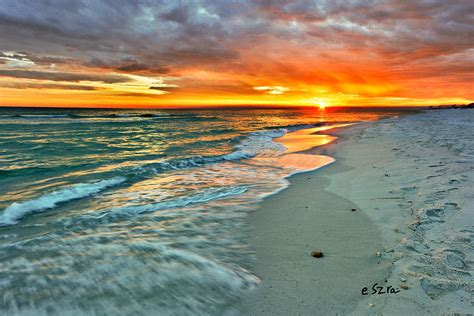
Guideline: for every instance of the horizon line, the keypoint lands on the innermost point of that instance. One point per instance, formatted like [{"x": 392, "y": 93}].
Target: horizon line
[{"x": 225, "y": 107}]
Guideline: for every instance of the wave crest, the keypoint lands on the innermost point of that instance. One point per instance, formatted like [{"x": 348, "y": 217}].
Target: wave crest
[{"x": 15, "y": 211}]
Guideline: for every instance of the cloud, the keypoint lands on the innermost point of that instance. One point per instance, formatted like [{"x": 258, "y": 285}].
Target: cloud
[
  {"x": 183, "y": 33},
  {"x": 272, "y": 89},
  {"x": 13, "y": 60},
  {"x": 138, "y": 94},
  {"x": 63, "y": 76},
  {"x": 48, "y": 86},
  {"x": 36, "y": 59},
  {"x": 17, "y": 63},
  {"x": 164, "y": 87},
  {"x": 133, "y": 67}
]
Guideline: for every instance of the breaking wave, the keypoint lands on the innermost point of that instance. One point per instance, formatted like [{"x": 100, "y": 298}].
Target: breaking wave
[{"x": 16, "y": 211}]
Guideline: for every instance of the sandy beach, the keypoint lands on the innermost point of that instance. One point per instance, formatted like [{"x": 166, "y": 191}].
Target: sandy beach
[{"x": 409, "y": 180}]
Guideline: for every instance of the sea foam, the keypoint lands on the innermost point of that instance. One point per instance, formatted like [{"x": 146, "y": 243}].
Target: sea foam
[
  {"x": 16, "y": 211},
  {"x": 202, "y": 197}
]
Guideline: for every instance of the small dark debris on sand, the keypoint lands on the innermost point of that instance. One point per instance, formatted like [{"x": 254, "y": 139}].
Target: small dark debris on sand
[
  {"x": 353, "y": 210},
  {"x": 317, "y": 254}
]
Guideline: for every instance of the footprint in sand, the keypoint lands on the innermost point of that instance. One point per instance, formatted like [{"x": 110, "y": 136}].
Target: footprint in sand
[
  {"x": 408, "y": 189},
  {"x": 455, "y": 258},
  {"x": 434, "y": 213},
  {"x": 437, "y": 287},
  {"x": 451, "y": 205},
  {"x": 432, "y": 198},
  {"x": 442, "y": 171}
]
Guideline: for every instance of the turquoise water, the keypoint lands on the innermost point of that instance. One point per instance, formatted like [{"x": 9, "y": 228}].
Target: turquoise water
[{"x": 137, "y": 211}]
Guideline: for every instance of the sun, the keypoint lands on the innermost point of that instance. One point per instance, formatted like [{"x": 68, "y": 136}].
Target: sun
[{"x": 322, "y": 104}]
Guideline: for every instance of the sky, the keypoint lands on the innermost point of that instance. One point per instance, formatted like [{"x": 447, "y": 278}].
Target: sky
[{"x": 144, "y": 53}]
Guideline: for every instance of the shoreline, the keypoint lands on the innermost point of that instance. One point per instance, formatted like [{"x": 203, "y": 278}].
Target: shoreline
[{"x": 375, "y": 244}]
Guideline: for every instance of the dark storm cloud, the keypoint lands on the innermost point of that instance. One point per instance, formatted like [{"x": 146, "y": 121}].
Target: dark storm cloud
[
  {"x": 62, "y": 76},
  {"x": 203, "y": 30},
  {"x": 127, "y": 65},
  {"x": 47, "y": 60},
  {"x": 113, "y": 30},
  {"x": 422, "y": 28},
  {"x": 139, "y": 67},
  {"x": 133, "y": 67},
  {"x": 286, "y": 10},
  {"x": 163, "y": 36}
]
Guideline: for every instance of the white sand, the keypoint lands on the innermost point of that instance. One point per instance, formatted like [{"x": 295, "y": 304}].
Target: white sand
[{"x": 411, "y": 181}]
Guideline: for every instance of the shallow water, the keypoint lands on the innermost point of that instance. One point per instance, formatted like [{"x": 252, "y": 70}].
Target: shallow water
[{"x": 140, "y": 211}]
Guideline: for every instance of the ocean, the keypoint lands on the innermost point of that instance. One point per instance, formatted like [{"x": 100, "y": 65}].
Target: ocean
[{"x": 139, "y": 211}]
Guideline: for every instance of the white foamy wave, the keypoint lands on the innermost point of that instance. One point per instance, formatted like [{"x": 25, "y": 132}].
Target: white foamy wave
[
  {"x": 261, "y": 144},
  {"x": 205, "y": 196},
  {"x": 43, "y": 116},
  {"x": 237, "y": 155},
  {"x": 15, "y": 211},
  {"x": 258, "y": 144}
]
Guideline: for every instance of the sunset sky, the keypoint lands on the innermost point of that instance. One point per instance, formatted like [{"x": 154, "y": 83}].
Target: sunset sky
[{"x": 186, "y": 53}]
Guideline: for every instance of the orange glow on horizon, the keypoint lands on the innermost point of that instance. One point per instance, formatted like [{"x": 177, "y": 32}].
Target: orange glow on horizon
[{"x": 224, "y": 89}]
